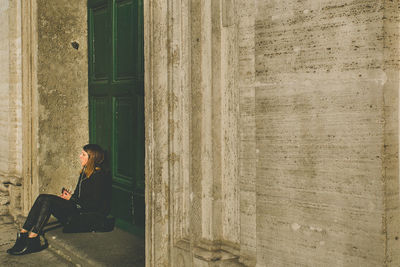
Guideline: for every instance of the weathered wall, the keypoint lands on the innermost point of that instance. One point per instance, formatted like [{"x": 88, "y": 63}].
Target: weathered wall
[
  {"x": 4, "y": 99},
  {"x": 315, "y": 181},
  {"x": 191, "y": 134},
  {"x": 391, "y": 43},
  {"x": 62, "y": 127},
  {"x": 305, "y": 171},
  {"x": 10, "y": 107},
  {"x": 4, "y": 83},
  {"x": 318, "y": 108}
]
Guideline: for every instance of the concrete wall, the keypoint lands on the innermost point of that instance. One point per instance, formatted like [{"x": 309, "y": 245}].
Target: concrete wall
[{"x": 62, "y": 92}]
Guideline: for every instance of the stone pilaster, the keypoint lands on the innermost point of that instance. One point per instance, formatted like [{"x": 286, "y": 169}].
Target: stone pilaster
[
  {"x": 191, "y": 113},
  {"x": 390, "y": 172},
  {"x": 29, "y": 104},
  {"x": 157, "y": 85},
  {"x": 11, "y": 102}
]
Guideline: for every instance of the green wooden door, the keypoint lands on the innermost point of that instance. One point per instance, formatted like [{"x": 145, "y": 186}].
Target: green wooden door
[{"x": 116, "y": 102}]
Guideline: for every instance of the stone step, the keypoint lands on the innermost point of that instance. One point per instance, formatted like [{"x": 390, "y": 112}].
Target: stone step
[{"x": 116, "y": 248}]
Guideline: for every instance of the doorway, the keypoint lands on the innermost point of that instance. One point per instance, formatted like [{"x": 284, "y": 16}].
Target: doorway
[{"x": 116, "y": 102}]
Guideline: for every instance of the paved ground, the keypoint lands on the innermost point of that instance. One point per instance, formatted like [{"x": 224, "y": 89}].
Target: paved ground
[
  {"x": 8, "y": 233},
  {"x": 116, "y": 248},
  {"x": 111, "y": 249}
]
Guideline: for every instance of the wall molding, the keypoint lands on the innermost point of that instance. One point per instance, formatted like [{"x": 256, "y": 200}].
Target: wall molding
[
  {"x": 29, "y": 103},
  {"x": 191, "y": 119}
]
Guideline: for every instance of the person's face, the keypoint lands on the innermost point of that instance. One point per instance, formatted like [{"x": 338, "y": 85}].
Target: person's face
[{"x": 84, "y": 158}]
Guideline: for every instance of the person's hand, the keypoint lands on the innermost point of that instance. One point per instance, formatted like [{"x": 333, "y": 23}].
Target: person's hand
[{"x": 65, "y": 194}]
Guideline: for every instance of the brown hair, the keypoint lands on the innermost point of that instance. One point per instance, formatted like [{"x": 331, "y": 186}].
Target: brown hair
[{"x": 96, "y": 158}]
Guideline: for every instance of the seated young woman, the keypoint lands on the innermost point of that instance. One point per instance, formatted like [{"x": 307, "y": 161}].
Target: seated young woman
[{"x": 89, "y": 195}]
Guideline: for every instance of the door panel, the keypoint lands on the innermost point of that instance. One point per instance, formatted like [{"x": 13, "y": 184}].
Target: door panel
[
  {"x": 116, "y": 101},
  {"x": 122, "y": 194},
  {"x": 125, "y": 43},
  {"x": 99, "y": 126},
  {"x": 100, "y": 44},
  {"x": 123, "y": 134}
]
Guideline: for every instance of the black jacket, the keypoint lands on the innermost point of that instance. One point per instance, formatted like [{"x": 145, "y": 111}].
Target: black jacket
[{"x": 93, "y": 193}]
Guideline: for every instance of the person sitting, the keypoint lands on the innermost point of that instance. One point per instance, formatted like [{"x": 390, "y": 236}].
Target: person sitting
[{"x": 90, "y": 195}]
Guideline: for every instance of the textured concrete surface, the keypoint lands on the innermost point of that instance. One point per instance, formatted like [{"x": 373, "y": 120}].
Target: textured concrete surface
[
  {"x": 62, "y": 92},
  {"x": 7, "y": 238},
  {"x": 50, "y": 76},
  {"x": 115, "y": 248}
]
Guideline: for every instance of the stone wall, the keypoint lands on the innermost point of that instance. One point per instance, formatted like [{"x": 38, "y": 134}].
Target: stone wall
[
  {"x": 62, "y": 92},
  {"x": 4, "y": 99},
  {"x": 391, "y": 31},
  {"x": 191, "y": 134},
  {"x": 4, "y": 83},
  {"x": 271, "y": 126},
  {"x": 319, "y": 132},
  {"x": 53, "y": 85},
  {"x": 10, "y": 108},
  {"x": 305, "y": 171}
]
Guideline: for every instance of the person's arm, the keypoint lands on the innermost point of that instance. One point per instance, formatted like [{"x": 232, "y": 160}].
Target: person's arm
[
  {"x": 91, "y": 196},
  {"x": 74, "y": 196}
]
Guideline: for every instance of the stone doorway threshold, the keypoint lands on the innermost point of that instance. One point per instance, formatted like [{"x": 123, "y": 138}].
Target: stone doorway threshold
[{"x": 116, "y": 248}]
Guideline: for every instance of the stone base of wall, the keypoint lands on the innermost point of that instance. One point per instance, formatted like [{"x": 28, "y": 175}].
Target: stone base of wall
[{"x": 10, "y": 199}]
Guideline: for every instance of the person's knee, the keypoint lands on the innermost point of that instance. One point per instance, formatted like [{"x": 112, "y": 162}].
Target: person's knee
[{"x": 42, "y": 198}]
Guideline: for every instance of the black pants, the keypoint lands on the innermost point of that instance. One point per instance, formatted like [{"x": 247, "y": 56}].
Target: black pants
[{"x": 46, "y": 205}]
